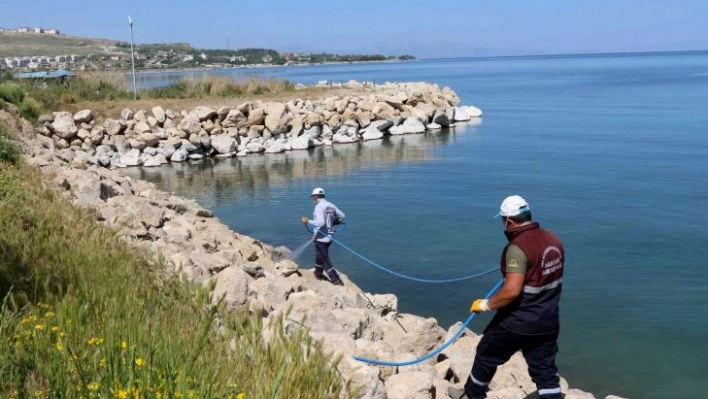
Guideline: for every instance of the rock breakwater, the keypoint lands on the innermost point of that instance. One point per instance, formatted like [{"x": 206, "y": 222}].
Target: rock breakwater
[{"x": 158, "y": 136}]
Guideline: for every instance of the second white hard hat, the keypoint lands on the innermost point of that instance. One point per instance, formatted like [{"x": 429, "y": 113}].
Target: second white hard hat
[
  {"x": 512, "y": 206},
  {"x": 318, "y": 191}
]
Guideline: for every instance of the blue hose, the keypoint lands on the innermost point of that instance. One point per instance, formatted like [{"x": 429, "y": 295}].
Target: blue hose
[
  {"x": 435, "y": 352},
  {"x": 421, "y": 280}
]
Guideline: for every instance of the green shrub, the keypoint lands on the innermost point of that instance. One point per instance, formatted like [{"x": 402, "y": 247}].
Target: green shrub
[
  {"x": 11, "y": 92},
  {"x": 5, "y": 76},
  {"x": 8, "y": 151},
  {"x": 30, "y": 109},
  {"x": 175, "y": 90}
]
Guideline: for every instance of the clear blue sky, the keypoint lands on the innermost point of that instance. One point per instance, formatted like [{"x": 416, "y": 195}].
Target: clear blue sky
[{"x": 434, "y": 28}]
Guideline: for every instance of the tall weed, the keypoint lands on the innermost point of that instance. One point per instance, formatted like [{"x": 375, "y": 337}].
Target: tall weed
[
  {"x": 8, "y": 150},
  {"x": 86, "y": 315}
]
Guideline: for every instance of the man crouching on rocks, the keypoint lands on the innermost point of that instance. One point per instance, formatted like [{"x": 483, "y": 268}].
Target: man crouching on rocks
[{"x": 326, "y": 216}]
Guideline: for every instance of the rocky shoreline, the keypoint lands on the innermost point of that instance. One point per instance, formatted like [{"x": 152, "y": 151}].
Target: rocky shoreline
[
  {"x": 253, "y": 275},
  {"x": 157, "y": 137}
]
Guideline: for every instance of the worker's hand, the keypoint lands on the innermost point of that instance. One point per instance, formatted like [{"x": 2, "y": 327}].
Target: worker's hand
[
  {"x": 304, "y": 220},
  {"x": 479, "y": 306}
]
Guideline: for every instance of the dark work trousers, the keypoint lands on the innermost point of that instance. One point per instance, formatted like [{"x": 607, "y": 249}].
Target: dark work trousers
[
  {"x": 496, "y": 348},
  {"x": 322, "y": 261}
]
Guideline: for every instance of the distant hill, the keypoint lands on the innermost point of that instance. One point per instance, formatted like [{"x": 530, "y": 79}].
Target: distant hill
[
  {"x": 112, "y": 54},
  {"x": 29, "y": 44}
]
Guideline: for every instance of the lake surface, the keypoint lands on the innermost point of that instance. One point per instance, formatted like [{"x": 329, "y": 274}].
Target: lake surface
[{"x": 610, "y": 151}]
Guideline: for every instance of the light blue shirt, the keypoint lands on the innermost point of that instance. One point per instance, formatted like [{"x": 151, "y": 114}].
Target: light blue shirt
[{"x": 323, "y": 219}]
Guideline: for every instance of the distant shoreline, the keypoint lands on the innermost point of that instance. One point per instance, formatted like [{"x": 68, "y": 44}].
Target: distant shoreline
[
  {"x": 252, "y": 66},
  {"x": 576, "y": 55}
]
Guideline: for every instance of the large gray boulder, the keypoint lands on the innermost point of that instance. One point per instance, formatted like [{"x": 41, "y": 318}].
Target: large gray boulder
[
  {"x": 180, "y": 155},
  {"x": 64, "y": 126},
  {"x": 441, "y": 118},
  {"x": 205, "y": 113},
  {"x": 159, "y": 114},
  {"x": 255, "y": 147},
  {"x": 232, "y": 286},
  {"x": 372, "y": 133},
  {"x": 113, "y": 127},
  {"x": 461, "y": 115},
  {"x": 149, "y": 139},
  {"x": 303, "y": 142},
  {"x": 223, "y": 144},
  {"x": 142, "y": 127},
  {"x": 473, "y": 112},
  {"x": 235, "y": 118},
  {"x": 140, "y": 116},
  {"x": 131, "y": 158},
  {"x": 190, "y": 125},
  {"x": 276, "y": 119},
  {"x": 256, "y": 117},
  {"x": 412, "y": 385},
  {"x": 83, "y": 116},
  {"x": 188, "y": 146},
  {"x": 409, "y": 126},
  {"x": 151, "y": 161},
  {"x": 127, "y": 114},
  {"x": 273, "y": 147},
  {"x": 343, "y": 138}
]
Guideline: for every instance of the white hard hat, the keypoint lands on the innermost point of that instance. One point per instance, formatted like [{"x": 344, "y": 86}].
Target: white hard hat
[
  {"x": 512, "y": 206},
  {"x": 318, "y": 191}
]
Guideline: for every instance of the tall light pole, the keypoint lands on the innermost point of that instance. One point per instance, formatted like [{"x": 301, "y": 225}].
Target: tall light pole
[{"x": 132, "y": 56}]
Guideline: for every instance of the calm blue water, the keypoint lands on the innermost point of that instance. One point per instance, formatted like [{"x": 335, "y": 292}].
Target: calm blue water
[{"x": 612, "y": 154}]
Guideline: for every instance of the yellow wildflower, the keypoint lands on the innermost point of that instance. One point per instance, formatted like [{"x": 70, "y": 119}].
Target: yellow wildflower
[
  {"x": 241, "y": 395},
  {"x": 39, "y": 327},
  {"x": 43, "y": 305},
  {"x": 122, "y": 394},
  {"x": 124, "y": 345},
  {"x": 59, "y": 346},
  {"x": 49, "y": 315},
  {"x": 93, "y": 386},
  {"x": 139, "y": 362},
  {"x": 62, "y": 334},
  {"x": 102, "y": 363},
  {"x": 55, "y": 328}
]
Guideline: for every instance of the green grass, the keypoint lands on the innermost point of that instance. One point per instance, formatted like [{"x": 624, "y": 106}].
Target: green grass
[
  {"x": 37, "y": 97},
  {"x": 86, "y": 315},
  {"x": 215, "y": 86},
  {"x": 22, "y": 44},
  {"x": 8, "y": 152},
  {"x": 11, "y": 92}
]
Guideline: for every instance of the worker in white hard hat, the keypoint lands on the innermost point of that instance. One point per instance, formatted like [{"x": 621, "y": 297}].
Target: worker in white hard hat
[
  {"x": 527, "y": 313},
  {"x": 325, "y": 217}
]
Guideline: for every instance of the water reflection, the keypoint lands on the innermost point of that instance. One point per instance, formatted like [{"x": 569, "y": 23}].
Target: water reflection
[{"x": 210, "y": 177}]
